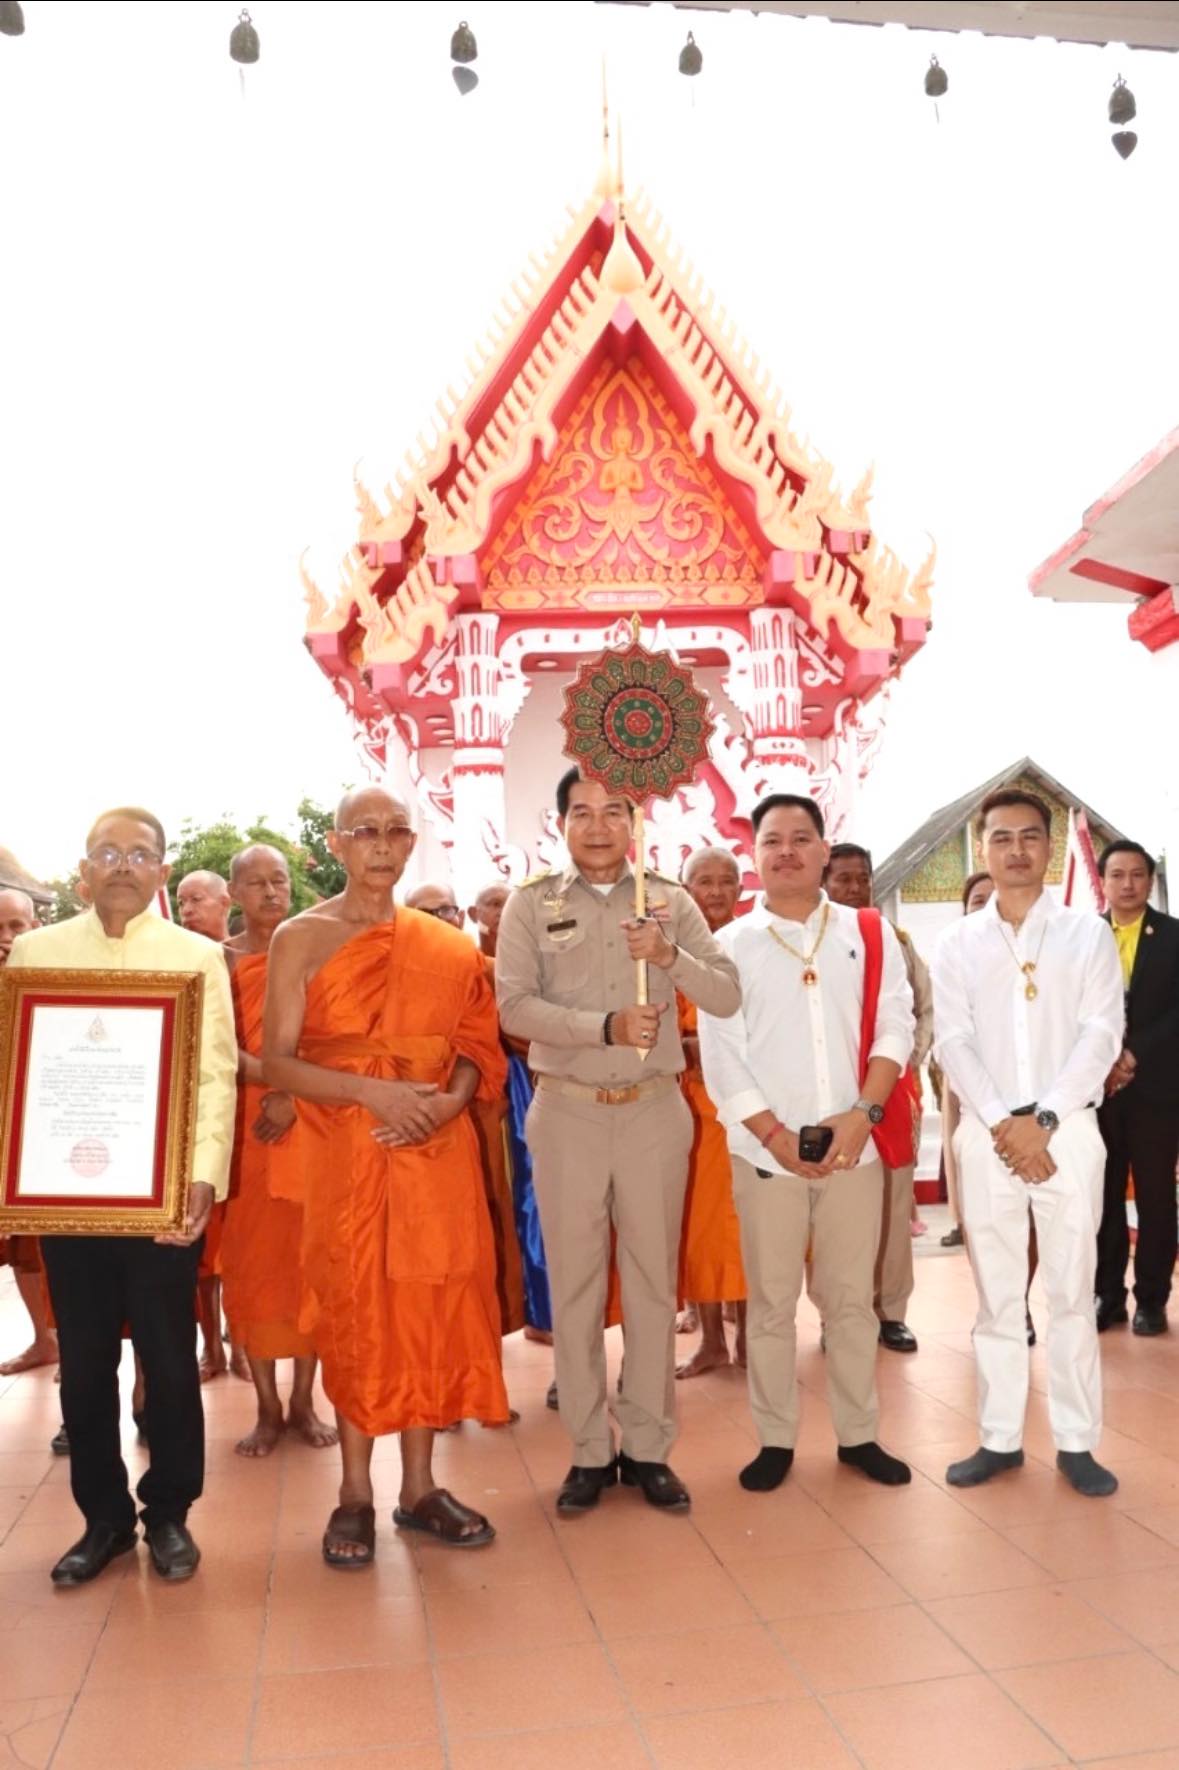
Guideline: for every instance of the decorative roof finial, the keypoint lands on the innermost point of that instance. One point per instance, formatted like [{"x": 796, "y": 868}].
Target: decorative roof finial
[{"x": 604, "y": 183}]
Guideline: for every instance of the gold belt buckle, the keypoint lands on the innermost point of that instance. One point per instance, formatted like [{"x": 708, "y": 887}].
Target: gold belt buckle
[{"x": 617, "y": 1096}]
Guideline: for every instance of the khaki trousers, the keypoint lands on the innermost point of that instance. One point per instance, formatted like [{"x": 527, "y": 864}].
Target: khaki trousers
[
  {"x": 623, "y": 1166},
  {"x": 894, "y": 1260},
  {"x": 840, "y": 1218}
]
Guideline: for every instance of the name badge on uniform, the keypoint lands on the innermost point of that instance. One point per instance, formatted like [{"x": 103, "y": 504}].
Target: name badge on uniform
[{"x": 561, "y": 930}]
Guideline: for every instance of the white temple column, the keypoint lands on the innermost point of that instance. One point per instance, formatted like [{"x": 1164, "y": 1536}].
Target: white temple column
[
  {"x": 477, "y": 776},
  {"x": 781, "y": 762}
]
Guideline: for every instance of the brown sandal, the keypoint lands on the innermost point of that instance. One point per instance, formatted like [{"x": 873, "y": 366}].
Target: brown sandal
[
  {"x": 351, "y": 1524},
  {"x": 440, "y": 1515}
]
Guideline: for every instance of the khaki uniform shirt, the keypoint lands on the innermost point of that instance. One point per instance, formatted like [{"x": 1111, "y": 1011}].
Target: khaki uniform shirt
[
  {"x": 922, "y": 987},
  {"x": 562, "y": 965}
]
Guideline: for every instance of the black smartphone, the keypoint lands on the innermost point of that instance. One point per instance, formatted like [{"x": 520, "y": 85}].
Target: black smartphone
[{"x": 814, "y": 1141}]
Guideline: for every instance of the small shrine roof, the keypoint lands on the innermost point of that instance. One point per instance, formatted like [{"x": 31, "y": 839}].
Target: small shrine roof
[{"x": 13, "y": 877}]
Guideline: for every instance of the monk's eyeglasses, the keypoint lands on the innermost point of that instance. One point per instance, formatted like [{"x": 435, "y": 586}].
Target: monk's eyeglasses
[{"x": 367, "y": 834}]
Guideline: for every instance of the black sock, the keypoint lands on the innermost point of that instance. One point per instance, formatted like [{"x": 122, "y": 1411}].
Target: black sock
[
  {"x": 768, "y": 1469},
  {"x": 876, "y": 1463}
]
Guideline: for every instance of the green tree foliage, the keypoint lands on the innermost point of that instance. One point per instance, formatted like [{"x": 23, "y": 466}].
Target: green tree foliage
[
  {"x": 66, "y": 902},
  {"x": 325, "y": 872},
  {"x": 211, "y": 847}
]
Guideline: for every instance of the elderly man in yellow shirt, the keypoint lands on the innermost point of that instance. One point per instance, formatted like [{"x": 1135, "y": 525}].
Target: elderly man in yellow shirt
[{"x": 98, "y": 1282}]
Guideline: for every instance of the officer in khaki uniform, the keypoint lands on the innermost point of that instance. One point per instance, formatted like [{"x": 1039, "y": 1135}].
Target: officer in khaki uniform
[{"x": 608, "y": 1132}]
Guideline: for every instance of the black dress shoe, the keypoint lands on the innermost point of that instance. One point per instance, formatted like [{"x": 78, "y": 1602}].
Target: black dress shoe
[
  {"x": 582, "y": 1488},
  {"x": 59, "y": 1444},
  {"x": 955, "y": 1238},
  {"x": 550, "y": 1397},
  {"x": 174, "y": 1555},
  {"x": 897, "y": 1337},
  {"x": 660, "y": 1486},
  {"x": 1110, "y": 1314},
  {"x": 91, "y": 1553},
  {"x": 1031, "y": 1327},
  {"x": 1148, "y": 1322}
]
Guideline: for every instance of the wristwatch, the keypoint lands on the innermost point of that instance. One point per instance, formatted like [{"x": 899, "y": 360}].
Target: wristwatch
[
  {"x": 875, "y": 1113},
  {"x": 1047, "y": 1121}
]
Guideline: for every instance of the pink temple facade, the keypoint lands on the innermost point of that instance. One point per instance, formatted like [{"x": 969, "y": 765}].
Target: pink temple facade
[{"x": 618, "y": 451}]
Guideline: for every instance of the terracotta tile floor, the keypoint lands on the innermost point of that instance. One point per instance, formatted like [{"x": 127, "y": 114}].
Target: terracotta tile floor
[{"x": 828, "y": 1625}]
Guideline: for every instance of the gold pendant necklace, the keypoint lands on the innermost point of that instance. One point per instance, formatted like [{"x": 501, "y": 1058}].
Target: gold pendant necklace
[
  {"x": 1027, "y": 966},
  {"x": 807, "y": 960}
]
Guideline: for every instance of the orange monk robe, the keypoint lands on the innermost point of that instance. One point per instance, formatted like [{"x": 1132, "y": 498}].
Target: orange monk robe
[
  {"x": 490, "y": 1119},
  {"x": 710, "y": 1251},
  {"x": 398, "y": 1254},
  {"x": 262, "y": 1233},
  {"x": 210, "y": 1266}
]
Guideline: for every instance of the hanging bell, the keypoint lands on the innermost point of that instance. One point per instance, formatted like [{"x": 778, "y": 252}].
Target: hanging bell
[
  {"x": 691, "y": 60},
  {"x": 937, "y": 81},
  {"x": 12, "y": 18},
  {"x": 463, "y": 46},
  {"x": 1125, "y": 141},
  {"x": 1122, "y": 108},
  {"x": 466, "y": 79},
  {"x": 244, "y": 46}
]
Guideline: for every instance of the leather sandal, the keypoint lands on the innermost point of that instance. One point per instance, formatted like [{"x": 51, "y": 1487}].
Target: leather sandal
[
  {"x": 351, "y": 1524},
  {"x": 440, "y": 1515}
]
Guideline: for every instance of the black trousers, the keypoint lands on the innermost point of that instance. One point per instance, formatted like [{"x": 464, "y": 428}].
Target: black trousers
[
  {"x": 97, "y": 1284},
  {"x": 1144, "y": 1138}
]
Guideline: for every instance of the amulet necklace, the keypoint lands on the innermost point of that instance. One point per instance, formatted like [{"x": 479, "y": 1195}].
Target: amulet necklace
[
  {"x": 1027, "y": 966},
  {"x": 807, "y": 960}
]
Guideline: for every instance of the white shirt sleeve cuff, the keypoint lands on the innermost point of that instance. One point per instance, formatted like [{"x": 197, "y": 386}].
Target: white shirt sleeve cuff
[
  {"x": 896, "y": 1050},
  {"x": 741, "y": 1107}
]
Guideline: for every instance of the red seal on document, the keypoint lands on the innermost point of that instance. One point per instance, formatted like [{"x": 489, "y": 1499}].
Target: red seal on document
[{"x": 90, "y": 1158}]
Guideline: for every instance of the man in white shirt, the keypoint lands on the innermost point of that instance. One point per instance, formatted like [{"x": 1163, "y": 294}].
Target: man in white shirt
[
  {"x": 789, "y": 1058},
  {"x": 1028, "y": 1015},
  {"x": 98, "y": 1282}
]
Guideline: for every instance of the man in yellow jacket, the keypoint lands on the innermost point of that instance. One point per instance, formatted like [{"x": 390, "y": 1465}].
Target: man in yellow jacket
[{"x": 99, "y": 1282}]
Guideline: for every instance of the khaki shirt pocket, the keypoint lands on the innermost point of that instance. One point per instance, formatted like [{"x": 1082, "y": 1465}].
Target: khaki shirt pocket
[{"x": 565, "y": 963}]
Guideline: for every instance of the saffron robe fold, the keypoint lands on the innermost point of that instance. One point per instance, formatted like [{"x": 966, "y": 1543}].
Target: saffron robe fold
[
  {"x": 398, "y": 1255},
  {"x": 491, "y": 1127},
  {"x": 710, "y": 1250},
  {"x": 262, "y": 1233}
]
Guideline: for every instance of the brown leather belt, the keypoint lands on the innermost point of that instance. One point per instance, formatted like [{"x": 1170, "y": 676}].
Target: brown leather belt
[{"x": 608, "y": 1096}]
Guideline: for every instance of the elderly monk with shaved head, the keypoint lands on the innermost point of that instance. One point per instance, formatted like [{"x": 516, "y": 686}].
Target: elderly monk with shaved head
[
  {"x": 18, "y": 915},
  {"x": 202, "y": 898},
  {"x": 436, "y": 900},
  {"x": 263, "y": 1228},
  {"x": 381, "y": 1022}
]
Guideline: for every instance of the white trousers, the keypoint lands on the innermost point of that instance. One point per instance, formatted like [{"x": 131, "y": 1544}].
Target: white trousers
[{"x": 1067, "y": 1211}]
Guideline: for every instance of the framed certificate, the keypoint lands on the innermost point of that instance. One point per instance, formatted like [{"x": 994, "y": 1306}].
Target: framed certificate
[{"x": 98, "y": 1092}]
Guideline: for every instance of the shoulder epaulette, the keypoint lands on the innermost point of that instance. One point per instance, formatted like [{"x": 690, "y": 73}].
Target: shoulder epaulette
[
  {"x": 536, "y": 878},
  {"x": 665, "y": 878}
]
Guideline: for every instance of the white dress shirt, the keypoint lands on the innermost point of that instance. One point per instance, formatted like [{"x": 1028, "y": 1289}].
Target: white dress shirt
[
  {"x": 1001, "y": 1050},
  {"x": 792, "y": 1048}
]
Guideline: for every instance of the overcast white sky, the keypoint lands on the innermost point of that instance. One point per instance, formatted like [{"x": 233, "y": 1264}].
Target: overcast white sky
[{"x": 212, "y": 307}]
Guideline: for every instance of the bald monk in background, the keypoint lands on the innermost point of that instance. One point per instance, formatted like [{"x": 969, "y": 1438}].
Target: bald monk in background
[
  {"x": 18, "y": 915},
  {"x": 260, "y": 1241},
  {"x": 203, "y": 902},
  {"x": 711, "y": 1273},
  {"x": 381, "y": 1021},
  {"x": 435, "y": 900}
]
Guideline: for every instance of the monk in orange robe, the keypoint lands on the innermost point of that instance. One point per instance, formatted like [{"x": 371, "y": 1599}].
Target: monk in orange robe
[
  {"x": 203, "y": 903},
  {"x": 491, "y": 1124},
  {"x": 18, "y": 914},
  {"x": 381, "y": 1022},
  {"x": 262, "y": 1234},
  {"x": 711, "y": 1273}
]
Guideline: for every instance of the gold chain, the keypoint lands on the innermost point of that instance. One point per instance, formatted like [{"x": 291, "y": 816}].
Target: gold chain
[
  {"x": 807, "y": 960},
  {"x": 1026, "y": 966}
]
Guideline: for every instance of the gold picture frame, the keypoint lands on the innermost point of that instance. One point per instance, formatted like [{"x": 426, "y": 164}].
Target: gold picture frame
[{"x": 98, "y": 1100}]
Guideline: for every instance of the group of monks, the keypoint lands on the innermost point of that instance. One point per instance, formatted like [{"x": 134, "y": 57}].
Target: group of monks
[{"x": 380, "y": 1023}]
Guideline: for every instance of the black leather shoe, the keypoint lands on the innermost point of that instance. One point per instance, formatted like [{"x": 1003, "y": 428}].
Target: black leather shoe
[
  {"x": 955, "y": 1238},
  {"x": 91, "y": 1553},
  {"x": 660, "y": 1486},
  {"x": 1031, "y": 1327},
  {"x": 59, "y": 1444},
  {"x": 582, "y": 1488},
  {"x": 550, "y": 1397},
  {"x": 174, "y": 1555},
  {"x": 897, "y": 1337},
  {"x": 1110, "y": 1315},
  {"x": 1149, "y": 1322}
]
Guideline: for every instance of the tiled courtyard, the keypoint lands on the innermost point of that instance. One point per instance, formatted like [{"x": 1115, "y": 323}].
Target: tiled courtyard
[{"x": 831, "y": 1624}]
